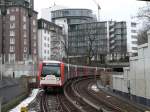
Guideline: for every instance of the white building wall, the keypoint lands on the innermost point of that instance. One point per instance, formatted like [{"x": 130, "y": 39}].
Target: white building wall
[
  {"x": 63, "y": 23},
  {"x": 129, "y": 37},
  {"x": 44, "y": 44},
  {"x": 120, "y": 83},
  {"x": 40, "y": 44},
  {"x": 138, "y": 75},
  {"x": 129, "y": 46}
]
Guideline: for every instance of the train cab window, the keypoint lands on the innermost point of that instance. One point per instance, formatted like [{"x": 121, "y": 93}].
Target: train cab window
[{"x": 51, "y": 70}]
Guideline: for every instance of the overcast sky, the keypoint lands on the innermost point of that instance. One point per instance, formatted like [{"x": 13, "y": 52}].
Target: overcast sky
[{"x": 110, "y": 9}]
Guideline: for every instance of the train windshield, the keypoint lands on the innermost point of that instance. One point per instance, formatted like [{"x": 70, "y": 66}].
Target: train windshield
[{"x": 51, "y": 69}]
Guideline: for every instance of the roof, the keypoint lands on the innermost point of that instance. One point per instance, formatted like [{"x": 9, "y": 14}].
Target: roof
[{"x": 51, "y": 61}]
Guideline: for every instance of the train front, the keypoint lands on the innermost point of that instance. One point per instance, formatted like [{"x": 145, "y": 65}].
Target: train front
[{"x": 50, "y": 75}]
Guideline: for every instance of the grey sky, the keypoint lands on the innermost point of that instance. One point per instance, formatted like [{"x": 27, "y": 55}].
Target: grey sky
[{"x": 110, "y": 9}]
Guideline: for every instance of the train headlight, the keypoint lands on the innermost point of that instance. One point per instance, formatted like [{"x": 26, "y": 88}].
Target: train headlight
[
  {"x": 42, "y": 78},
  {"x": 57, "y": 79}
]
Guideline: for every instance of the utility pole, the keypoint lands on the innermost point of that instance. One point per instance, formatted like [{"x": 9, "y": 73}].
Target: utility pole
[
  {"x": 99, "y": 8},
  {"x": 30, "y": 39}
]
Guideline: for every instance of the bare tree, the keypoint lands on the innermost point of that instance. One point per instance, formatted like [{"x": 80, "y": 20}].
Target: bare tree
[
  {"x": 65, "y": 46},
  {"x": 90, "y": 49},
  {"x": 142, "y": 36},
  {"x": 144, "y": 12},
  {"x": 144, "y": 15}
]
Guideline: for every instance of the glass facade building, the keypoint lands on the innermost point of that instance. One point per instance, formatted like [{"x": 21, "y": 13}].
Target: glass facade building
[
  {"x": 117, "y": 40},
  {"x": 88, "y": 37},
  {"x": 109, "y": 40},
  {"x": 74, "y": 16}
]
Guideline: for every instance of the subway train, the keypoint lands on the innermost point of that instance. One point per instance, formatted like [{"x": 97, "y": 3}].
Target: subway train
[{"x": 54, "y": 74}]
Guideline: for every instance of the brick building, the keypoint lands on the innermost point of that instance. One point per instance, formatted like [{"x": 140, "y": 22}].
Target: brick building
[{"x": 18, "y": 31}]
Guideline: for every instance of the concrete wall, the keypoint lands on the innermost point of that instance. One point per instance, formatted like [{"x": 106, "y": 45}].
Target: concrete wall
[
  {"x": 19, "y": 69},
  {"x": 137, "y": 76},
  {"x": 120, "y": 83},
  {"x": 139, "y": 72},
  {"x": 12, "y": 88}
]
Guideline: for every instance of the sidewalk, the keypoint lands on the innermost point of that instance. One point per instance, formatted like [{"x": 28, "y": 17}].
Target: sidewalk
[{"x": 26, "y": 101}]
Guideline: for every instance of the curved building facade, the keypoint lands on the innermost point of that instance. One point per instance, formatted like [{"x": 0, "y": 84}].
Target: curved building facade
[{"x": 74, "y": 16}]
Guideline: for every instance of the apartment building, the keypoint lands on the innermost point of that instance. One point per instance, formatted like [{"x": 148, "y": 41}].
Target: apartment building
[
  {"x": 51, "y": 41},
  {"x": 122, "y": 40},
  {"x": 18, "y": 31},
  {"x": 116, "y": 40}
]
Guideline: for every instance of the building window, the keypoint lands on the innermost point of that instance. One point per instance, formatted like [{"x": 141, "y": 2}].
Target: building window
[
  {"x": 133, "y": 31},
  {"x": 12, "y": 41},
  {"x": 24, "y": 56},
  {"x": 48, "y": 39},
  {"x": 25, "y": 41},
  {"x": 24, "y": 18},
  {"x": 134, "y": 42},
  {"x": 12, "y": 25},
  {"x": 34, "y": 51},
  {"x": 44, "y": 38},
  {"x": 34, "y": 44},
  {"x": 25, "y": 49},
  {"x": 45, "y": 51},
  {"x": 133, "y": 24},
  {"x": 12, "y": 49},
  {"x": 44, "y": 44},
  {"x": 12, "y": 18},
  {"x": 34, "y": 23},
  {"x": 12, "y": 33},
  {"x": 44, "y": 25},
  {"x": 34, "y": 30},
  {"x": 25, "y": 34},
  {"x": 34, "y": 37},
  {"x": 11, "y": 57},
  {"x": 24, "y": 26},
  {"x": 8, "y": 11},
  {"x": 12, "y": 10},
  {"x": 17, "y": 9},
  {"x": 134, "y": 48},
  {"x": 134, "y": 37},
  {"x": 45, "y": 31}
]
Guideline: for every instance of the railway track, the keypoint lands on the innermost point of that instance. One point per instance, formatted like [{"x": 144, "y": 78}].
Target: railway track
[
  {"x": 103, "y": 100},
  {"x": 79, "y": 97},
  {"x": 77, "y": 101},
  {"x": 51, "y": 103}
]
